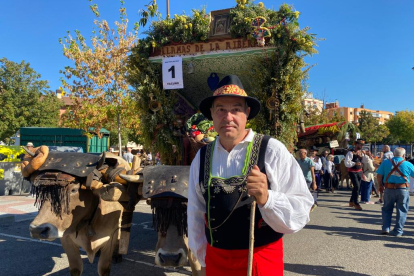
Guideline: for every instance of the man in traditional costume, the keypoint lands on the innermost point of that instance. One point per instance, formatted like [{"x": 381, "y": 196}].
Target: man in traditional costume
[
  {"x": 227, "y": 174},
  {"x": 353, "y": 161}
]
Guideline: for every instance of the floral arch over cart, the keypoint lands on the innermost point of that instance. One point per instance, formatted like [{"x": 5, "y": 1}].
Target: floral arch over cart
[{"x": 264, "y": 47}]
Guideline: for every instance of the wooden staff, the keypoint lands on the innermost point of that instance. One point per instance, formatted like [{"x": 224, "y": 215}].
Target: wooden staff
[{"x": 251, "y": 238}]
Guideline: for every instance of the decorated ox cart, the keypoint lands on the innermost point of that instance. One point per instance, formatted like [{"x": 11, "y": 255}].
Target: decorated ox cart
[
  {"x": 178, "y": 64},
  {"x": 323, "y": 137}
]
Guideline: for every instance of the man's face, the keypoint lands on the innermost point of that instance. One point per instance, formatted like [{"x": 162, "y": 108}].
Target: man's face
[
  {"x": 230, "y": 117},
  {"x": 29, "y": 147},
  {"x": 313, "y": 153},
  {"x": 358, "y": 146},
  {"x": 302, "y": 154}
]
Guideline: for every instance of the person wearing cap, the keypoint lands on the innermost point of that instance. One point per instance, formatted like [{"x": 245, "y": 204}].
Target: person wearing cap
[
  {"x": 353, "y": 161},
  {"x": 30, "y": 146},
  {"x": 393, "y": 175},
  {"x": 227, "y": 174}
]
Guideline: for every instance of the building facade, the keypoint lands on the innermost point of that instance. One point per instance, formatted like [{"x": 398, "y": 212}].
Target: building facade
[
  {"x": 311, "y": 103},
  {"x": 351, "y": 114}
]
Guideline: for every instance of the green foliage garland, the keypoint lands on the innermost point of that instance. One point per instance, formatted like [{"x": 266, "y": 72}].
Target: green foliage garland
[
  {"x": 179, "y": 29},
  {"x": 280, "y": 74}
]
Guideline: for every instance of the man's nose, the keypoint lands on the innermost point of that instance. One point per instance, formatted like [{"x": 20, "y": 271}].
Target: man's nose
[{"x": 228, "y": 116}]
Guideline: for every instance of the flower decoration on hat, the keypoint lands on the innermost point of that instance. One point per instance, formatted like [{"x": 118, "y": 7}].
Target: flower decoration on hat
[{"x": 260, "y": 32}]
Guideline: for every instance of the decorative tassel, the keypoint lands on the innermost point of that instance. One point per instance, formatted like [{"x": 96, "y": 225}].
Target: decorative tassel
[
  {"x": 166, "y": 212},
  {"x": 57, "y": 195}
]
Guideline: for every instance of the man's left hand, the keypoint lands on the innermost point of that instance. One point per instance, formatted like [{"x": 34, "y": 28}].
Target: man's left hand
[
  {"x": 257, "y": 185},
  {"x": 314, "y": 186}
]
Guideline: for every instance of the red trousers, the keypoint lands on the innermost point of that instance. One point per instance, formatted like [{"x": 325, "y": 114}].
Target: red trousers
[{"x": 267, "y": 261}]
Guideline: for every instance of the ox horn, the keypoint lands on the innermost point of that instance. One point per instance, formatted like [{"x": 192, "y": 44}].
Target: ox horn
[
  {"x": 130, "y": 178},
  {"x": 29, "y": 152}
]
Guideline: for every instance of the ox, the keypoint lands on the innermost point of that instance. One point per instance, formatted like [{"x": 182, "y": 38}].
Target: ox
[
  {"x": 344, "y": 174},
  {"x": 166, "y": 190},
  {"x": 70, "y": 190}
]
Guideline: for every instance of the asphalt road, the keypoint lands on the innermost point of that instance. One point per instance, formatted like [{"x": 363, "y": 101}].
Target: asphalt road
[{"x": 337, "y": 241}]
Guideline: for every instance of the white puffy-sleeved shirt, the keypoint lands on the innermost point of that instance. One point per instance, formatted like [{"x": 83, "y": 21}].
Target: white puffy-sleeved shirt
[
  {"x": 318, "y": 163},
  {"x": 287, "y": 207}
]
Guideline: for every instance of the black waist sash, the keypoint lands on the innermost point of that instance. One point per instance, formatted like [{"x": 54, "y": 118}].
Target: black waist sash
[{"x": 229, "y": 223}]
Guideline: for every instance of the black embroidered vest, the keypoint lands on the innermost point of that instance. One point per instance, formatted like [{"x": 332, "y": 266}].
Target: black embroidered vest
[
  {"x": 221, "y": 195},
  {"x": 355, "y": 158}
]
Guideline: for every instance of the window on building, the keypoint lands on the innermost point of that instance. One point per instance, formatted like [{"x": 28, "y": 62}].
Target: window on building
[{"x": 350, "y": 113}]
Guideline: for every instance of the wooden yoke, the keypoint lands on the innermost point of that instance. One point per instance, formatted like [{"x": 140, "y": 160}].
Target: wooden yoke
[{"x": 134, "y": 194}]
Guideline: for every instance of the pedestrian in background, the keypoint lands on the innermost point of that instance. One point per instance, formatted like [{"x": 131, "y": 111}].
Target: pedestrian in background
[
  {"x": 328, "y": 174},
  {"x": 323, "y": 159},
  {"x": 393, "y": 176},
  {"x": 317, "y": 161},
  {"x": 128, "y": 156},
  {"x": 385, "y": 155},
  {"x": 308, "y": 169},
  {"x": 367, "y": 177},
  {"x": 353, "y": 161}
]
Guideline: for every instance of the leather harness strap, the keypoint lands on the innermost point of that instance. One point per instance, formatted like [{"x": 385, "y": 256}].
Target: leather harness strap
[{"x": 396, "y": 169}]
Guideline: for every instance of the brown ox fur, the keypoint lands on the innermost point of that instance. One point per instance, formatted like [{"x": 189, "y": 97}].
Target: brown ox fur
[
  {"x": 170, "y": 221},
  {"x": 82, "y": 227},
  {"x": 344, "y": 173}
]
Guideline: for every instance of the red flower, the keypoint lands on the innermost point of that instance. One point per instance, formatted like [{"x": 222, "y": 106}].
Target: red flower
[
  {"x": 197, "y": 132},
  {"x": 211, "y": 128},
  {"x": 193, "y": 126}
]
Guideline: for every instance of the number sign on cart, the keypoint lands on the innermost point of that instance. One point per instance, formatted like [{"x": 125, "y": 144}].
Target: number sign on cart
[{"x": 172, "y": 73}]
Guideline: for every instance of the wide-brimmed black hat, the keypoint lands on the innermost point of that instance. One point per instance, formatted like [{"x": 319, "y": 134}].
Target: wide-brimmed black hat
[
  {"x": 360, "y": 141},
  {"x": 230, "y": 86},
  {"x": 313, "y": 148}
]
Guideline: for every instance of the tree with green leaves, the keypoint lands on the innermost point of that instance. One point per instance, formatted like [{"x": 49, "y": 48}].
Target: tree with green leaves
[
  {"x": 401, "y": 126},
  {"x": 97, "y": 81},
  {"x": 371, "y": 129},
  {"x": 24, "y": 99},
  {"x": 316, "y": 117}
]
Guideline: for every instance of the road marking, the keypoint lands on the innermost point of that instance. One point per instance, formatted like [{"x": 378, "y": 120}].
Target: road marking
[
  {"x": 127, "y": 259},
  {"x": 30, "y": 239}
]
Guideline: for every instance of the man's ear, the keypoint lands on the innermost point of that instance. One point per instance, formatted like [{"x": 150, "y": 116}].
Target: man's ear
[{"x": 248, "y": 112}]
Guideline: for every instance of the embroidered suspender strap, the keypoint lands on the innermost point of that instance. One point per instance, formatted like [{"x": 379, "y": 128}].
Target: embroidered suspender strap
[
  {"x": 395, "y": 168},
  {"x": 202, "y": 158},
  {"x": 262, "y": 155}
]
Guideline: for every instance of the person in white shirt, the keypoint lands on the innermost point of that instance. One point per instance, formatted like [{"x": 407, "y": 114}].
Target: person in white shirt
[
  {"x": 329, "y": 173},
  {"x": 367, "y": 177},
  {"x": 353, "y": 162},
  {"x": 318, "y": 167},
  {"x": 227, "y": 174}
]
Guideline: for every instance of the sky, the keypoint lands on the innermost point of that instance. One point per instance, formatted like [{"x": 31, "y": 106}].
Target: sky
[{"x": 366, "y": 57}]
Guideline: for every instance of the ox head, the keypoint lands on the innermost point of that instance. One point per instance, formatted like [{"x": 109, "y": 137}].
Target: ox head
[
  {"x": 63, "y": 200},
  {"x": 170, "y": 221},
  {"x": 63, "y": 208}
]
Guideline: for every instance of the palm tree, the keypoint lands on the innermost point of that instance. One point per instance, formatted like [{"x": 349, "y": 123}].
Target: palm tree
[{"x": 350, "y": 128}]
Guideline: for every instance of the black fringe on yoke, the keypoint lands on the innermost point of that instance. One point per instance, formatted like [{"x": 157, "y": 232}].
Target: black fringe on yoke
[
  {"x": 57, "y": 195},
  {"x": 169, "y": 211}
]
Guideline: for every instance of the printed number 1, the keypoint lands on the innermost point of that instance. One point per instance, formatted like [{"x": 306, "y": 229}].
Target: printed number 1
[{"x": 172, "y": 70}]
